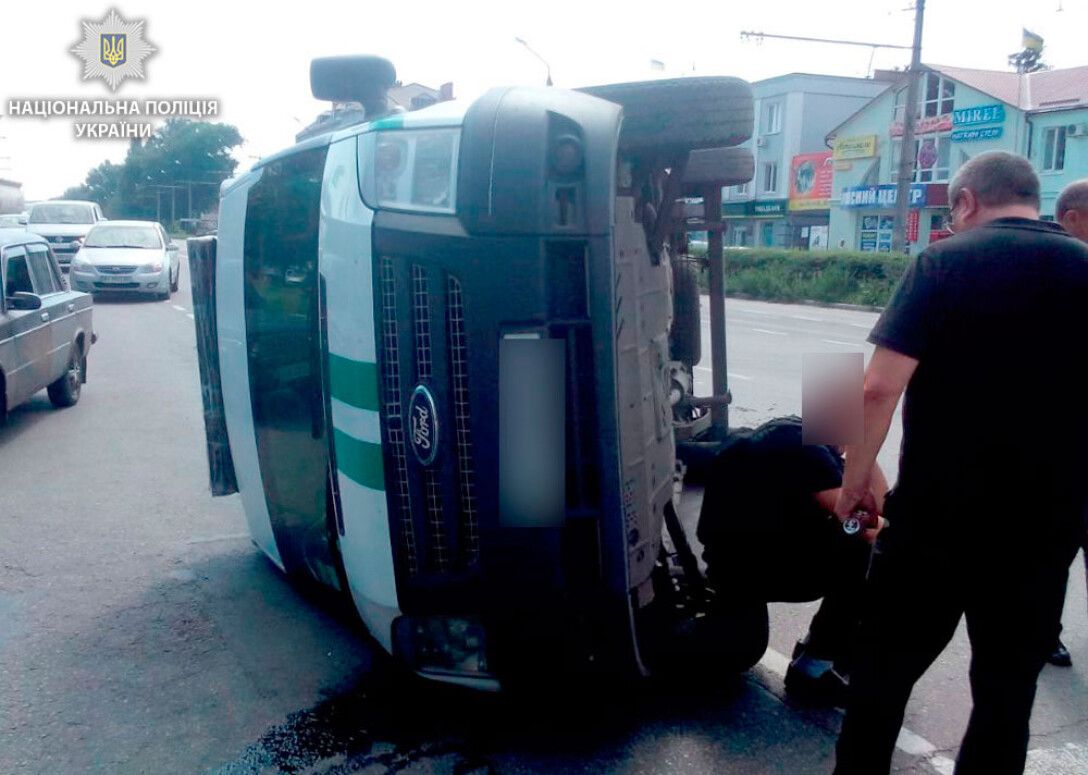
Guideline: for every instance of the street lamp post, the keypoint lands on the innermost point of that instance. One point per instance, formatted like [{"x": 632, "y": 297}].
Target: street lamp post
[{"x": 542, "y": 59}]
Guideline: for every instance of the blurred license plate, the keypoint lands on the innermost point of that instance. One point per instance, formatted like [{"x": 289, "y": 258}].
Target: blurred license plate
[{"x": 115, "y": 279}]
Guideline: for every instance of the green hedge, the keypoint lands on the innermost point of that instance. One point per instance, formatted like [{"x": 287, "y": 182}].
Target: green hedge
[{"x": 829, "y": 276}]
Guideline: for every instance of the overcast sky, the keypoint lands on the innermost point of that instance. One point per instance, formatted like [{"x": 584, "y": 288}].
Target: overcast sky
[{"x": 257, "y": 63}]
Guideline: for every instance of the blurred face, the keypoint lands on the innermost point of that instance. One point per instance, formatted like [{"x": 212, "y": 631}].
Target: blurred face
[{"x": 1075, "y": 221}]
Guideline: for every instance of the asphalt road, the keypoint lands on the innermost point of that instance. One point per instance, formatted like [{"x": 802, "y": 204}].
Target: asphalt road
[{"x": 140, "y": 631}]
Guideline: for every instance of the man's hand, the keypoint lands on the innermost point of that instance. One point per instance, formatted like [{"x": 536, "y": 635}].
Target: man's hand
[{"x": 850, "y": 501}]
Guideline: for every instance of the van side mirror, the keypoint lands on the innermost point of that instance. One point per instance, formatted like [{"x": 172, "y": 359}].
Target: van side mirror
[
  {"x": 22, "y": 220},
  {"x": 362, "y": 79},
  {"x": 23, "y": 301}
]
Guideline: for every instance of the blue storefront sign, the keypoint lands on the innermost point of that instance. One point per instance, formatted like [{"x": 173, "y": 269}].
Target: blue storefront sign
[
  {"x": 882, "y": 196},
  {"x": 982, "y": 114},
  {"x": 985, "y": 133}
]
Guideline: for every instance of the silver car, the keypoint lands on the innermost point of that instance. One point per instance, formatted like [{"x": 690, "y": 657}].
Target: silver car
[
  {"x": 46, "y": 330},
  {"x": 127, "y": 256}
]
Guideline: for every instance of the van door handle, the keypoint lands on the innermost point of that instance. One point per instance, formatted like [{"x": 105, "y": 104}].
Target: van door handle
[
  {"x": 71, "y": 307},
  {"x": 45, "y": 316}
]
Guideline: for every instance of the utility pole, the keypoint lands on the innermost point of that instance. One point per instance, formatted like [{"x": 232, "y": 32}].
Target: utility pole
[{"x": 906, "y": 150}]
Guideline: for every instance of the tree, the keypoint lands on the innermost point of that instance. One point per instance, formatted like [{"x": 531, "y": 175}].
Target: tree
[
  {"x": 182, "y": 158},
  {"x": 102, "y": 185}
]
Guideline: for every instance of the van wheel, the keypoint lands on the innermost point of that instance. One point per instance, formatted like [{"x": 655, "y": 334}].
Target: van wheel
[
  {"x": 717, "y": 167},
  {"x": 65, "y": 391},
  {"x": 685, "y": 338},
  {"x": 174, "y": 283},
  {"x": 681, "y": 114}
]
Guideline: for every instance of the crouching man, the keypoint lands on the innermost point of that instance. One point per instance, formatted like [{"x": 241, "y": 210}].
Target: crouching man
[{"x": 769, "y": 534}]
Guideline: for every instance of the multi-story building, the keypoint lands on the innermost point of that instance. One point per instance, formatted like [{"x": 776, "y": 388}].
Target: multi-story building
[
  {"x": 794, "y": 114},
  {"x": 960, "y": 113}
]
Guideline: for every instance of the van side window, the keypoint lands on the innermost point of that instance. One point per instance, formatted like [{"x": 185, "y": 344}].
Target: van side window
[
  {"x": 18, "y": 275},
  {"x": 44, "y": 280},
  {"x": 284, "y": 342}
]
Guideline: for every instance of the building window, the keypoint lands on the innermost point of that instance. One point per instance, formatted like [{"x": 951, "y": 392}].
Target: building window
[
  {"x": 1054, "y": 149},
  {"x": 938, "y": 94},
  {"x": 740, "y": 236},
  {"x": 876, "y": 233},
  {"x": 770, "y": 177},
  {"x": 932, "y": 155},
  {"x": 936, "y": 97},
  {"x": 772, "y": 118},
  {"x": 740, "y": 190}
]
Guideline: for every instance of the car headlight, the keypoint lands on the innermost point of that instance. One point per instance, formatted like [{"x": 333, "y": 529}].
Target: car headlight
[
  {"x": 151, "y": 267},
  {"x": 82, "y": 264}
]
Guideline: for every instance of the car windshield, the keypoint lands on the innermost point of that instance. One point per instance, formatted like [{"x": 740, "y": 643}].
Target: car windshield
[
  {"x": 61, "y": 213},
  {"x": 123, "y": 237}
]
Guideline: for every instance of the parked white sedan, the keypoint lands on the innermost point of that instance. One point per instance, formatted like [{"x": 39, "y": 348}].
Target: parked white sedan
[{"x": 127, "y": 256}]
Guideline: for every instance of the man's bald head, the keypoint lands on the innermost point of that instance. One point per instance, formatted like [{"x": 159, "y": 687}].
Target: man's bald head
[{"x": 1071, "y": 210}]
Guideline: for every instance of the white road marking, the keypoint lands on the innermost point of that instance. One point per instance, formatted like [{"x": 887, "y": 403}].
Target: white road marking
[
  {"x": 768, "y": 331},
  {"x": 806, "y": 317},
  {"x": 838, "y": 341},
  {"x": 179, "y": 309},
  {"x": 908, "y": 742},
  {"x": 732, "y": 374},
  {"x": 757, "y": 312},
  {"x": 866, "y": 326},
  {"x": 1069, "y": 760},
  {"x": 213, "y": 539}
]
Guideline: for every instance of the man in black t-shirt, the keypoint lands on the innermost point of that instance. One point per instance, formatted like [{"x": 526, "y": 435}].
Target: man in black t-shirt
[{"x": 984, "y": 520}]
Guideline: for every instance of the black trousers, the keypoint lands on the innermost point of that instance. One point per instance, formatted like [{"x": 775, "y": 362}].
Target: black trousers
[
  {"x": 812, "y": 561},
  {"x": 1012, "y": 601}
]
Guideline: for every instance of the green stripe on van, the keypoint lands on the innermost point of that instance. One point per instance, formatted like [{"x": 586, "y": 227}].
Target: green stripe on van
[
  {"x": 359, "y": 461},
  {"x": 354, "y": 382}
]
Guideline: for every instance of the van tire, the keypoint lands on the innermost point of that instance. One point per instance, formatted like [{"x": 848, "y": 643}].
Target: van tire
[
  {"x": 712, "y": 167},
  {"x": 685, "y": 337},
  {"x": 676, "y": 115},
  {"x": 65, "y": 390}
]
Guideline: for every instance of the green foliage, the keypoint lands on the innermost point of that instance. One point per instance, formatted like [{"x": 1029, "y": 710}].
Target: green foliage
[
  {"x": 189, "y": 154},
  {"x": 843, "y": 277}
]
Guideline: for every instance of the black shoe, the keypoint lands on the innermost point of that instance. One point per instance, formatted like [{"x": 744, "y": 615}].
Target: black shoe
[
  {"x": 1060, "y": 656},
  {"x": 816, "y": 681}
]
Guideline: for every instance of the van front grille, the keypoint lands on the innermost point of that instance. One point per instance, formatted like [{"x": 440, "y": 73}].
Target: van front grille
[
  {"x": 459, "y": 376},
  {"x": 425, "y": 343},
  {"x": 400, "y": 492}
]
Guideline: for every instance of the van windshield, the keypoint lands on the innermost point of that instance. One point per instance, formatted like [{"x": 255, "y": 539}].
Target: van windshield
[{"x": 61, "y": 213}]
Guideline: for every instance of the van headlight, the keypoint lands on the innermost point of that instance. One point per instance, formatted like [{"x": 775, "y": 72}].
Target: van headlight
[
  {"x": 441, "y": 644},
  {"x": 410, "y": 169},
  {"x": 151, "y": 268}
]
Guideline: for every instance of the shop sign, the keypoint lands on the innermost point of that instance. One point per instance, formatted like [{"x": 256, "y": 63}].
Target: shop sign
[
  {"x": 759, "y": 208},
  {"x": 857, "y": 147},
  {"x": 880, "y": 197},
  {"x": 769, "y": 207},
  {"x": 971, "y": 135},
  {"x": 912, "y": 226},
  {"x": 983, "y": 114},
  {"x": 925, "y": 126},
  {"x": 810, "y": 181}
]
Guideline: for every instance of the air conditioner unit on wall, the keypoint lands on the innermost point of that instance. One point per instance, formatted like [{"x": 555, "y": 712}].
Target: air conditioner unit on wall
[{"x": 1076, "y": 130}]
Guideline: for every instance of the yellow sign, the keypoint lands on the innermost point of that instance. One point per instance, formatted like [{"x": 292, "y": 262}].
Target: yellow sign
[{"x": 857, "y": 147}]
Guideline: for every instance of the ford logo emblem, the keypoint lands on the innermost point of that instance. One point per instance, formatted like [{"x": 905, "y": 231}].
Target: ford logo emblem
[{"x": 423, "y": 425}]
